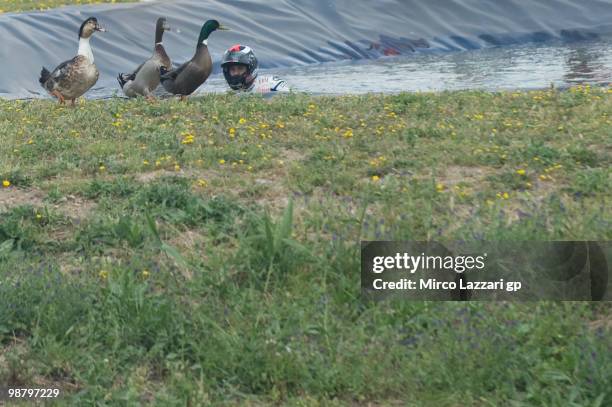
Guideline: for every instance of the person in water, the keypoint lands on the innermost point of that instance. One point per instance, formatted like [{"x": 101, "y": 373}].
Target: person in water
[{"x": 239, "y": 65}]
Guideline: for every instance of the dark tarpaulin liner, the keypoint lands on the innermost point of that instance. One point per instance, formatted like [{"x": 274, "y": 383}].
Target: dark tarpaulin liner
[{"x": 285, "y": 33}]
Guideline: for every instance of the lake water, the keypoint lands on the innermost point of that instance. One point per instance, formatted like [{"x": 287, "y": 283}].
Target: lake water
[
  {"x": 505, "y": 68},
  {"x": 522, "y": 67}
]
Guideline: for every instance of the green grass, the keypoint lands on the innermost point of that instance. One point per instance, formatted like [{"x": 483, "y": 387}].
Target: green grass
[
  {"x": 7, "y": 6},
  {"x": 208, "y": 251}
]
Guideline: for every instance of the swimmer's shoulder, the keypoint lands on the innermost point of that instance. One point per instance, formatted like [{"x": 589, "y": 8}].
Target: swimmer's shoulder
[{"x": 271, "y": 83}]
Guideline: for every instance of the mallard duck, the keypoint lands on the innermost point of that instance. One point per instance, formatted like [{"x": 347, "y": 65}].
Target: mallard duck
[
  {"x": 145, "y": 79},
  {"x": 185, "y": 79},
  {"x": 76, "y": 76}
]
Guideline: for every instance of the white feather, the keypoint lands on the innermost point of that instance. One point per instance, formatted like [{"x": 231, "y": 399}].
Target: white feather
[{"x": 85, "y": 49}]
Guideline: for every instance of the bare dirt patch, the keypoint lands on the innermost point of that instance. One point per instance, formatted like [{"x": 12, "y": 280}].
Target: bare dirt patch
[
  {"x": 71, "y": 206},
  {"x": 454, "y": 174},
  {"x": 186, "y": 240},
  {"x": 291, "y": 155},
  {"x": 146, "y": 177},
  {"x": 74, "y": 207},
  {"x": 603, "y": 317},
  {"x": 603, "y": 323},
  {"x": 12, "y": 197},
  {"x": 274, "y": 195}
]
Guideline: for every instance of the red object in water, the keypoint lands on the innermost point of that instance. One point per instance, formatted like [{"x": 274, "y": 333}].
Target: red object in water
[
  {"x": 386, "y": 51},
  {"x": 235, "y": 48},
  {"x": 391, "y": 51}
]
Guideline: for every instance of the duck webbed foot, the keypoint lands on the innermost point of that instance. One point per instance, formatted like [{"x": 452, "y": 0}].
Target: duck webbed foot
[
  {"x": 59, "y": 97},
  {"x": 149, "y": 97}
]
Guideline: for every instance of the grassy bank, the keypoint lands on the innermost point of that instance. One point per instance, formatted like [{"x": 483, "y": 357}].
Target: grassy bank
[
  {"x": 7, "y": 6},
  {"x": 208, "y": 251}
]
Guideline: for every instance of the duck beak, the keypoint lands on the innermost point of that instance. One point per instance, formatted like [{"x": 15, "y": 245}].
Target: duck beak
[
  {"x": 100, "y": 28},
  {"x": 167, "y": 27},
  {"x": 223, "y": 28}
]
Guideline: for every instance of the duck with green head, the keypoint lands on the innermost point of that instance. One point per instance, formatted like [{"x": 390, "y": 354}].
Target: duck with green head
[
  {"x": 185, "y": 79},
  {"x": 145, "y": 79},
  {"x": 72, "y": 78}
]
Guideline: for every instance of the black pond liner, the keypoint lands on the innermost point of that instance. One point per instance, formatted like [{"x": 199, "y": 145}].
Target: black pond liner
[{"x": 285, "y": 33}]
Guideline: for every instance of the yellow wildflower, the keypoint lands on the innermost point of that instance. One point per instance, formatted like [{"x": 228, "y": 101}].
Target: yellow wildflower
[
  {"x": 375, "y": 178},
  {"x": 6, "y": 183},
  {"x": 520, "y": 171},
  {"x": 222, "y": 161}
]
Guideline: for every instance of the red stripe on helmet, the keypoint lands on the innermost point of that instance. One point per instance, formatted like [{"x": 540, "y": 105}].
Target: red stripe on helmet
[{"x": 235, "y": 48}]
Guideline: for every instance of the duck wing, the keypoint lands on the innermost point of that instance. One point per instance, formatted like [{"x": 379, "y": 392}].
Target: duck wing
[
  {"x": 185, "y": 79},
  {"x": 71, "y": 78},
  {"x": 169, "y": 78},
  {"x": 133, "y": 74},
  {"x": 173, "y": 74},
  {"x": 61, "y": 72},
  {"x": 123, "y": 78}
]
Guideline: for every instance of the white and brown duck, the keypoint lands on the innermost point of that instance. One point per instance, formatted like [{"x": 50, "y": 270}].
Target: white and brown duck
[{"x": 72, "y": 78}]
